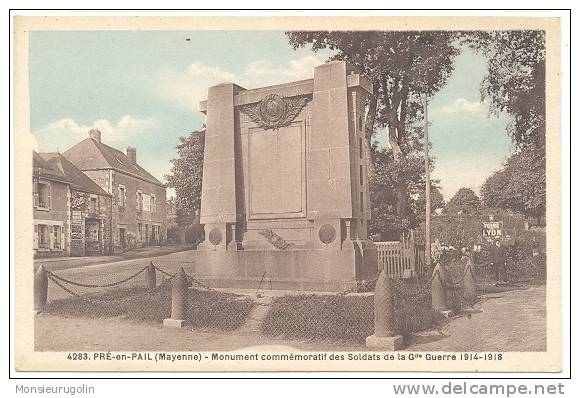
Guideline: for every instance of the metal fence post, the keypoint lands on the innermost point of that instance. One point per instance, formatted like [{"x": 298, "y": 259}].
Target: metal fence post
[
  {"x": 40, "y": 289},
  {"x": 179, "y": 292},
  {"x": 151, "y": 276},
  {"x": 384, "y": 336}
]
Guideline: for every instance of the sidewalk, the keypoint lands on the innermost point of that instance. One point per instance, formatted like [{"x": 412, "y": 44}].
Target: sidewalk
[{"x": 60, "y": 263}]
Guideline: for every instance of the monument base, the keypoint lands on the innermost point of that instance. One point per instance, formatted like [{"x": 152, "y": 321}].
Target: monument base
[
  {"x": 392, "y": 343},
  {"x": 173, "y": 323},
  {"x": 295, "y": 269}
]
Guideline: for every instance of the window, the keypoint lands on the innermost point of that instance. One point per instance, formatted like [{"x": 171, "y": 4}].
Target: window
[
  {"x": 360, "y": 147},
  {"x": 43, "y": 195},
  {"x": 122, "y": 196},
  {"x": 43, "y": 237},
  {"x": 140, "y": 231},
  {"x": 360, "y": 123},
  {"x": 362, "y": 206},
  {"x": 93, "y": 205},
  {"x": 361, "y": 173},
  {"x": 152, "y": 203},
  {"x": 139, "y": 201},
  {"x": 57, "y": 235},
  {"x": 146, "y": 200}
]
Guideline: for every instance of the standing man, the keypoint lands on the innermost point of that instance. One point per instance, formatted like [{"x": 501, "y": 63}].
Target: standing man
[{"x": 498, "y": 255}]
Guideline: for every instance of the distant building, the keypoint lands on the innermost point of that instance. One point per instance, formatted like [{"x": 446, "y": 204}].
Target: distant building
[
  {"x": 72, "y": 214},
  {"x": 138, "y": 215}
]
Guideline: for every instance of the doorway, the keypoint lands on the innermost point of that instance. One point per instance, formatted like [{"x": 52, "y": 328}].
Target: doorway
[{"x": 122, "y": 239}]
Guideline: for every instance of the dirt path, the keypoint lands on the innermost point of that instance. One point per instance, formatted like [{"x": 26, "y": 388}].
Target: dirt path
[
  {"x": 53, "y": 333},
  {"x": 508, "y": 321}
]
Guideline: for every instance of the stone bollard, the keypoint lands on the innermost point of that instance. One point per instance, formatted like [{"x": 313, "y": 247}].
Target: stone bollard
[
  {"x": 469, "y": 284},
  {"x": 384, "y": 336},
  {"x": 179, "y": 292},
  {"x": 438, "y": 290},
  {"x": 40, "y": 289},
  {"x": 151, "y": 276}
]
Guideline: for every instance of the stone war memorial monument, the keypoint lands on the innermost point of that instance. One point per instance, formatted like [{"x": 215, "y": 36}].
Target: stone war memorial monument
[{"x": 285, "y": 197}]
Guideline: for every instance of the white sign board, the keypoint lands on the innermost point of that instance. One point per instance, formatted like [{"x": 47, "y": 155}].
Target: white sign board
[{"x": 492, "y": 230}]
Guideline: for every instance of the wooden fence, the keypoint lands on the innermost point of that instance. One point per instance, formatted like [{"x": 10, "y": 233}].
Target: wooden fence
[{"x": 403, "y": 259}]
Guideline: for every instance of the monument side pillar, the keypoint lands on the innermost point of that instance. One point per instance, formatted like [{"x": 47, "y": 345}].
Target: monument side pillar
[
  {"x": 329, "y": 170},
  {"x": 337, "y": 176},
  {"x": 218, "y": 196}
]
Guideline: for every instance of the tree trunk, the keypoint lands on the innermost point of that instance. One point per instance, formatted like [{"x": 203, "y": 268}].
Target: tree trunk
[
  {"x": 393, "y": 142},
  {"x": 401, "y": 194}
]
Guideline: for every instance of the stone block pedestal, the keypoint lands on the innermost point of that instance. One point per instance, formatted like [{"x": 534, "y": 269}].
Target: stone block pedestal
[
  {"x": 173, "y": 323},
  {"x": 390, "y": 343}
]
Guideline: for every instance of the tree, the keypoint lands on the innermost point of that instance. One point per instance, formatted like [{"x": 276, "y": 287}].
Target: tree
[
  {"x": 464, "y": 201},
  {"x": 386, "y": 221},
  {"x": 437, "y": 199},
  {"x": 186, "y": 176},
  {"x": 520, "y": 186},
  {"x": 401, "y": 66},
  {"x": 516, "y": 80}
]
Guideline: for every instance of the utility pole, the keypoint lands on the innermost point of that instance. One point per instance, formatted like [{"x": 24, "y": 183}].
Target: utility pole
[{"x": 427, "y": 187}]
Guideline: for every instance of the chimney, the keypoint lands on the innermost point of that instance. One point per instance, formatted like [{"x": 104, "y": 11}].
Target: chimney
[
  {"x": 132, "y": 154},
  {"x": 95, "y": 134}
]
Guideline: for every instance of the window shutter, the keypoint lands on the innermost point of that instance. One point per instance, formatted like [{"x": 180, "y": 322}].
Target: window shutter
[
  {"x": 49, "y": 201},
  {"x": 35, "y": 240},
  {"x": 35, "y": 192},
  {"x": 51, "y": 237},
  {"x": 62, "y": 237}
]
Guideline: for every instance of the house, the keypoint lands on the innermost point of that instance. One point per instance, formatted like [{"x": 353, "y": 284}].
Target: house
[
  {"x": 138, "y": 215},
  {"x": 72, "y": 214}
]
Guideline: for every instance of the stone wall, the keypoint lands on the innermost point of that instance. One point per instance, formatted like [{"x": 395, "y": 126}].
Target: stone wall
[
  {"x": 128, "y": 216},
  {"x": 57, "y": 213},
  {"x": 80, "y": 212}
]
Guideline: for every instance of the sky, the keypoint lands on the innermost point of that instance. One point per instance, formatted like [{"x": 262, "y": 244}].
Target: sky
[{"x": 142, "y": 88}]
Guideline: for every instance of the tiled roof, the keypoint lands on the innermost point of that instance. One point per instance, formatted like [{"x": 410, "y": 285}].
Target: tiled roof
[
  {"x": 42, "y": 168},
  {"x": 91, "y": 154},
  {"x": 62, "y": 169}
]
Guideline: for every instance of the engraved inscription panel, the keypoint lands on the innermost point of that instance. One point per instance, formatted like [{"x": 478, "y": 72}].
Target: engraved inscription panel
[{"x": 276, "y": 172}]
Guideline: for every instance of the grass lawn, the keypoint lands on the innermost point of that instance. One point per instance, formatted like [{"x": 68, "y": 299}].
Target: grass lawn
[
  {"x": 206, "y": 309},
  {"x": 348, "y": 318}
]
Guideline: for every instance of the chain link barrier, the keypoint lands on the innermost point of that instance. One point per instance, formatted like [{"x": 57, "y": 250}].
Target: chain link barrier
[
  {"x": 113, "y": 284},
  {"x": 347, "y": 315}
]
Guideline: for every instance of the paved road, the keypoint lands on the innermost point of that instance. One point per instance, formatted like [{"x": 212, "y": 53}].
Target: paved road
[
  {"x": 60, "y": 263},
  {"x": 112, "y": 272}
]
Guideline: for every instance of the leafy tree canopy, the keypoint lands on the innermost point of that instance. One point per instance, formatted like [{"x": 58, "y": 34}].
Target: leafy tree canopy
[
  {"x": 400, "y": 65},
  {"x": 516, "y": 80},
  {"x": 437, "y": 199},
  {"x": 464, "y": 201},
  {"x": 520, "y": 186},
  {"x": 186, "y": 176}
]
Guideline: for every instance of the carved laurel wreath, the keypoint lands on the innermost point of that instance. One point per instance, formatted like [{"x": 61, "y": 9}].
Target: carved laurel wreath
[
  {"x": 274, "y": 111},
  {"x": 275, "y": 239}
]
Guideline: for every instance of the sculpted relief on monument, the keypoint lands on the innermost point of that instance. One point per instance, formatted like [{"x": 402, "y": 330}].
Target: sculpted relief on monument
[{"x": 274, "y": 111}]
